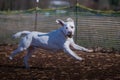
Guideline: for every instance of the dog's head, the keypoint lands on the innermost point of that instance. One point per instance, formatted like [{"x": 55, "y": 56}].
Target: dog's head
[{"x": 68, "y": 27}]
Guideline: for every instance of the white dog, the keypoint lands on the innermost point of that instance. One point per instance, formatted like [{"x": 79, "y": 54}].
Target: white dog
[{"x": 57, "y": 40}]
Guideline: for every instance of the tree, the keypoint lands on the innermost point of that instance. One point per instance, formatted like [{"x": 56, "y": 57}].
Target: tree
[{"x": 114, "y": 4}]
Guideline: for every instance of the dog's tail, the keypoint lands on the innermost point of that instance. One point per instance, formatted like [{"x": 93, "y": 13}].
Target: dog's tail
[{"x": 21, "y": 33}]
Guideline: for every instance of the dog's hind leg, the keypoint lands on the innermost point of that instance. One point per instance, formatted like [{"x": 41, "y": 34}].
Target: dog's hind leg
[
  {"x": 24, "y": 45},
  {"x": 18, "y": 50},
  {"x": 27, "y": 56}
]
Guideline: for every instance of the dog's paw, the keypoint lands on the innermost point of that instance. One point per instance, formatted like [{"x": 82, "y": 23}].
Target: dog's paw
[
  {"x": 79, "y": 58},
  {"x": 90, "y": 51},
  {"x": 11, "y": 58}
]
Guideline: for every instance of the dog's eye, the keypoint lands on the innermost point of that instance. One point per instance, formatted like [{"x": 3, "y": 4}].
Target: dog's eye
[
  {"x": 66, "y": 27},
  {"x": 72, "y": 27}
]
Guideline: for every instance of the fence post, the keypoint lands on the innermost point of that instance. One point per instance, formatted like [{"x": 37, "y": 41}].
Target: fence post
[
  {"x": 36, "y": 15},
  {"x": 76, "y": 22}
]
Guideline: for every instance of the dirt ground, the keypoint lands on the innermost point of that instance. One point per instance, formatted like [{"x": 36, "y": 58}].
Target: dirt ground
[{"x": 59, "y": 66}]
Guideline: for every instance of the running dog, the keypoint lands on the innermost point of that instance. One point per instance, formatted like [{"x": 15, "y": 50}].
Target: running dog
[{"x": 57, "y": 40}]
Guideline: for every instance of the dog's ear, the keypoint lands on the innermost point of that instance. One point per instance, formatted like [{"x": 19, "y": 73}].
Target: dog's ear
[
  {"x": 59, "y": 21},
  {"x": 70, "y": 20}
]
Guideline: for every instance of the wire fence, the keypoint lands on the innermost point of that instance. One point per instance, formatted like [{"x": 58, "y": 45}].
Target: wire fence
[{"x": 95, "y": 28}]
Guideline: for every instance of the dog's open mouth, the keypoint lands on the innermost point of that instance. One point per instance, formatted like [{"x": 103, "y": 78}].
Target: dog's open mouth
[{"x": 70, "y": 35}]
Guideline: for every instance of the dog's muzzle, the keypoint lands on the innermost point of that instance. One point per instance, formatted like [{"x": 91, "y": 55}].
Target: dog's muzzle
[{"x": 69, "y": 34}]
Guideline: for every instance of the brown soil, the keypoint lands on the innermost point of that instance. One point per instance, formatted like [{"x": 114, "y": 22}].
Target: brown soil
[{"x": 59, "y": 66}]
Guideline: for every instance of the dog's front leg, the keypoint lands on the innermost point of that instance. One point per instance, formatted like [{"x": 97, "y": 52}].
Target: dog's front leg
[
  {"x": 77, "y": 47},
  {"x": 69, "y": 51}
]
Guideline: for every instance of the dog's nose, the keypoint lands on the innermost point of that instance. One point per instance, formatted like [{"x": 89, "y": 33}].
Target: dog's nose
[{"x": 70, "y": 32}]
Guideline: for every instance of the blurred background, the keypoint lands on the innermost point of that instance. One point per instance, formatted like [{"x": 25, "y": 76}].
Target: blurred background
[
  {"x": 25, "y": 4},
  {"x": 97, "y": 21}
]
